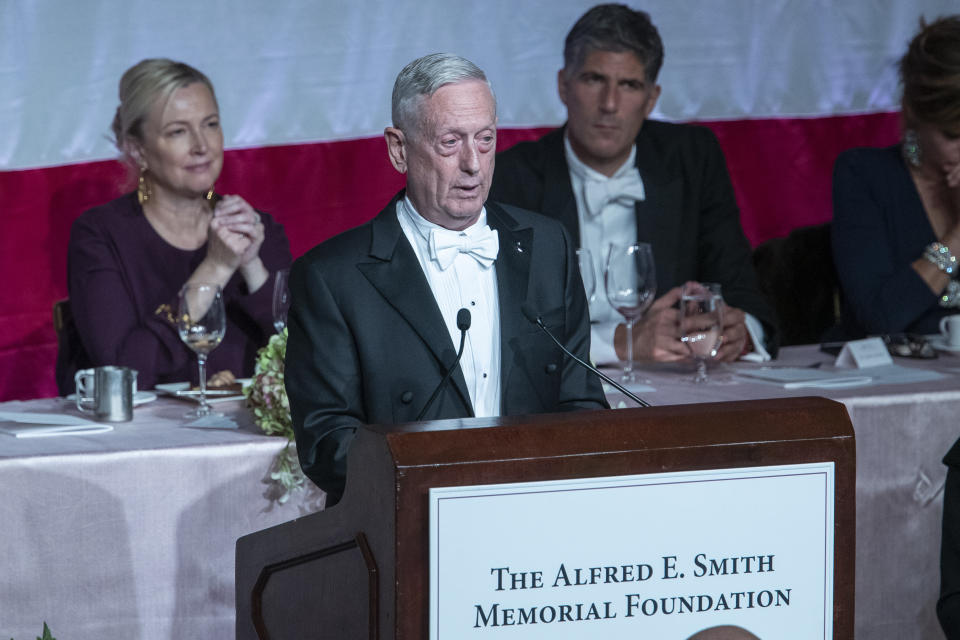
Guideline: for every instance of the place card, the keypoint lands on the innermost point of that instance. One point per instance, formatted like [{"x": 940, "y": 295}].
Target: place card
[{"x": 863, "y": 354}]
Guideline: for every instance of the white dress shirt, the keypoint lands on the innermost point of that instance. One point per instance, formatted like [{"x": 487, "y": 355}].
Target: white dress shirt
[
  {"x": 614, "y": 220},
  {"x": 465, "y": 284}
]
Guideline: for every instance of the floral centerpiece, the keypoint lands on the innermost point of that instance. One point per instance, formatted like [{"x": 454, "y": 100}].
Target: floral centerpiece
[{"x": 267, "y": 398}]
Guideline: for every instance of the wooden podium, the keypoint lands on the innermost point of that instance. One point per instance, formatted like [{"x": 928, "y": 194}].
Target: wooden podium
[{"x": 360, "y": 568}]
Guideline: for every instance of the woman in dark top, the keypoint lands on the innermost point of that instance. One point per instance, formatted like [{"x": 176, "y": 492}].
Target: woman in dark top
[
  {"x": 897, "y": 230},
  {"x": 896, "y": 218},
  {"x": 129, "y": 258}
]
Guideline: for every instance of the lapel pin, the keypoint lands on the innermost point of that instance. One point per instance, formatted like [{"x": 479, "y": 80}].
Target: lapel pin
[{"x": 519, "y": 247}]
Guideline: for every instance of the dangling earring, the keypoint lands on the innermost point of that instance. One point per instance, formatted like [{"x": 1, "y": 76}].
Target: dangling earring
[
  {"x": 143, "y": 188},
  {"x": 213, "y": 198},
  {"x": 911, "y": 148}
]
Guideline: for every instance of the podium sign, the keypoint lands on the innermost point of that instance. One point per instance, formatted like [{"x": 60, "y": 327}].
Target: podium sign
[{"x": 654, "y": 555}]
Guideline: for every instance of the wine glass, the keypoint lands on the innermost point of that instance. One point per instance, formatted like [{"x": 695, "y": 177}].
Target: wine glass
[
  {"x": 281, "y": 299},
  {"x": 631, "y": 283},
  {"x": 701, "y": 323},
  {"x": 201, "y": 322},
  {"x": 587, "y": 273}
]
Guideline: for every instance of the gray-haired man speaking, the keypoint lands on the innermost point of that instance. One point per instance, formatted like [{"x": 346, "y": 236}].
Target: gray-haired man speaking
[{"x": 377, "y": 315}]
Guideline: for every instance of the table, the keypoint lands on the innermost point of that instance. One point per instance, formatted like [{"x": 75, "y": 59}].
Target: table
[
  {"x": 902, "y": 433},
  {"x": 131, "y": 533}
]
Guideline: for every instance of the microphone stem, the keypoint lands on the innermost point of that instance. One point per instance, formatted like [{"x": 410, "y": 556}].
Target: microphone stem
[
  {"x": 619, "y": 387},
  {"x": 463, "y": 339}
]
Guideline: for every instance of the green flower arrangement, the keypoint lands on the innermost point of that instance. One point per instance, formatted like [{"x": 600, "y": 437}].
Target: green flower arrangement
[{"x": 267, "y": 398}]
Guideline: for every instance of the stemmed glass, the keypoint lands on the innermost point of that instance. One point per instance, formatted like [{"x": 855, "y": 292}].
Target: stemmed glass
[
  {"x": 281, "y": 299},
  {"x": 701, "y": 323},
  {"x": 201, "y": 322},
  {"x": 631, "y": 284},
  {"x": 587, "y": 273}
]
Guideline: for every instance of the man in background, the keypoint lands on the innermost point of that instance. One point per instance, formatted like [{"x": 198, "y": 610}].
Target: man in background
[{"x": 612, "y": 175}]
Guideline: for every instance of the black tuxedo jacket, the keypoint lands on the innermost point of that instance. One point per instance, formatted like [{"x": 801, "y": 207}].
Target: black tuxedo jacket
[
  {"x": 368, "y": 345},
  {"x": 948, "y": 605},
  {"x": 689, "y": 216}
]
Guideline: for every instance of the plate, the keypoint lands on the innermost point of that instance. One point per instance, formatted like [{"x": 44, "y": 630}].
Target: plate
[
  {"x": 182, "y": 391},
  {"x": 940, "y": 343},
  {"x": 139, "y": 398}
]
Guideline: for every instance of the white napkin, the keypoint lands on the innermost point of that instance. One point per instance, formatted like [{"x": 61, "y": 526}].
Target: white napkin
[
  {"x": 48, "y": 424},
  {"x": 805, "y": 377},
  {"x": 755, "y": 329}
]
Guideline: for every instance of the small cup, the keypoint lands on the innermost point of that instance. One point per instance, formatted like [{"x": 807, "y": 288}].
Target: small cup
[
  {"x": 950, "y": 330},
  {"x": 106, "y": 392}
]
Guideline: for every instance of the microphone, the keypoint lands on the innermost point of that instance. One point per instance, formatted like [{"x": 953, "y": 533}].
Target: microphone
[
  {"x": 530, "y": 314},
  {"x": 463, "y": 323}
]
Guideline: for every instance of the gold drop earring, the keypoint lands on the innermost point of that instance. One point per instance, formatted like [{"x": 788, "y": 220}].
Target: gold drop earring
[{"x": 143, "y": 187}]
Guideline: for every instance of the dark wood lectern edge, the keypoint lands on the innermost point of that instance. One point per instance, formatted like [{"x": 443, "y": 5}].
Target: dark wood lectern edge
[
  {"x": 754, "y": 422},
  {"x": 604, "y": 415},
  {"x": 359, "y": 541}
]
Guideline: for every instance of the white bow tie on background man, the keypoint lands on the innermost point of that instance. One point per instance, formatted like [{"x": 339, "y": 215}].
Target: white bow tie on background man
[
  {"x": 625, "y": 189},
  {"x": 482, "y": 245}
]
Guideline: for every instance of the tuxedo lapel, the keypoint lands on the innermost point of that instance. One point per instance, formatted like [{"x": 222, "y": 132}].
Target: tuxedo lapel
[
  {"x": 655, "y": 223},
  {"x": 558, "y": 199},
  {"x": 394, "y": 271},
  {"x": 513, "y": 275}
]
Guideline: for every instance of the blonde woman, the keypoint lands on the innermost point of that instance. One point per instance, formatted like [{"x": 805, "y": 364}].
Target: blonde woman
[{"x": 129, "y": 258}]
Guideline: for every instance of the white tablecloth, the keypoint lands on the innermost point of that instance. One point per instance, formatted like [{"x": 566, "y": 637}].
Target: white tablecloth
[
  {"x": 902, "y": 434},
  {"x": 131, "y": 533}
]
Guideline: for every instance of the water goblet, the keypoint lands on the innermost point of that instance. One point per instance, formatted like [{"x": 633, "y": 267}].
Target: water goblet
[
  {"x": 630, "y": 282},
  {"x": 701, "y": 324},
  {"x": 201, "y": 323}
]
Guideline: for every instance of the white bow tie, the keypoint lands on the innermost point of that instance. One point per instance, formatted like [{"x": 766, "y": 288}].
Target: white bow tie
[
  {"x": 482, "y": 245},
  {"x": 599, "y": 193}
]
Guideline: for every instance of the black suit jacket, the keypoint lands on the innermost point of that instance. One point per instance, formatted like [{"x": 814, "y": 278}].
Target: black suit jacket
[
  {"x": 948, "y": 605},
  {"x": 368, "y": 345},
  {"x": 689, "y": 216}
]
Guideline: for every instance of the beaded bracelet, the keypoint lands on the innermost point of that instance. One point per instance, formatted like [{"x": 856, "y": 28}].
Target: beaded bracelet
[
  {"x": 950, "y": 298},
  {"x": 940, "y": 255}
]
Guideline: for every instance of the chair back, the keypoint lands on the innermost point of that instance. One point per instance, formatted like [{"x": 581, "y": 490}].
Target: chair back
[
  {"x": 70, "y": 353},
  {"x": 799, "y": 279}
]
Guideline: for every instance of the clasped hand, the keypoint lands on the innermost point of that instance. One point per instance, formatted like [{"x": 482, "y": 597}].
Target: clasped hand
[
  {"x": 656, "y": 337},
  {"x": 235, "y": 233}
]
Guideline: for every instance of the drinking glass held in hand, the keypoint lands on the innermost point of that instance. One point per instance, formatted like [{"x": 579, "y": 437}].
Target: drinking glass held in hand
[
  {"x": 631, "y": 284},
  {"x": 281, "y": 299},
  {"x": 701, "y": 323},
  {"x": 201, "y": 322}
]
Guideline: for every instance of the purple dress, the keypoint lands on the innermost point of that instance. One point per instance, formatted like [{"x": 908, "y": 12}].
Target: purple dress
[{"x": 123, "y": 280}]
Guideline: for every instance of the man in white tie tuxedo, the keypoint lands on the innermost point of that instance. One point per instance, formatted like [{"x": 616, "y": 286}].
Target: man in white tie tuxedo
[
  {"x": 612, "y": 175},
  {"x": 376, "y": 315}
]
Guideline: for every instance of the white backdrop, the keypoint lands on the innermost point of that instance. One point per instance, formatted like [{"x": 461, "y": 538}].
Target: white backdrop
[{"x": 317, "y": 70}]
